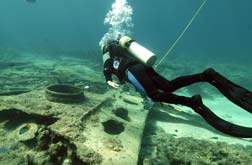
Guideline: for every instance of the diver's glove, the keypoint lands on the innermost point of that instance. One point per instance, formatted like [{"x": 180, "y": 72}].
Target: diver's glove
[{"x": 113, "y": 84}]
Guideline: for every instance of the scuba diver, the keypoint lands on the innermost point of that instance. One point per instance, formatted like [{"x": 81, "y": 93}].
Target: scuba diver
[{"x": 132, "y": 63}]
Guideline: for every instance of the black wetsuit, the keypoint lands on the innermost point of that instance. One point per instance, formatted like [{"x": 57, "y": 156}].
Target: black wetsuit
[
  {"x": 119, "y": 62},
  {"x": 155, "y": 86}
]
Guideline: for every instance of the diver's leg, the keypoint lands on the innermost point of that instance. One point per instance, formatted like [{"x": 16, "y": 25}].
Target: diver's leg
[
  {"x": 139, "y": 76},
  {"x": 217, "y": 122},
  {"x": 171, "y": 98},
  {"x": 185, "y": 81},
  {"x": 160, "y": 82},
  {"x": 235, "y": 93},
  {"x": 166, "y": 85}
]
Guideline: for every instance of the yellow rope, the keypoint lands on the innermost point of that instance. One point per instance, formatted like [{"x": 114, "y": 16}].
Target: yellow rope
[{"x": 181, "y": 35}]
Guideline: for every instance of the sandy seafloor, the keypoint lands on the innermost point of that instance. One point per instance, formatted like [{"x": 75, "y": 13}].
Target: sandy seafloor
[{"x": 178, "y": 137}]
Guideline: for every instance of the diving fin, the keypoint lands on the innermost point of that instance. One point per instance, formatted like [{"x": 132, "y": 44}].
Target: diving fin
[
  {"x": 235, "y": 93},
  {"x": 218, "y": 123}
]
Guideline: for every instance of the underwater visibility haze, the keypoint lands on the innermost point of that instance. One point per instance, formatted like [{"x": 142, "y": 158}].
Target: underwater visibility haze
[{"x": 55, "y": 103}]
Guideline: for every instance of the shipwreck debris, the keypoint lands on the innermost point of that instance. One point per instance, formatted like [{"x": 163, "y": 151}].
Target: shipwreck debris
[{"x": 64, "y": 93}]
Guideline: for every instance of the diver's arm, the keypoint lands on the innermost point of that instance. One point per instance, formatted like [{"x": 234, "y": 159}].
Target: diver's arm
[
  {"x": 107, "y": 64},
  {"x": 107, "y": 70}
]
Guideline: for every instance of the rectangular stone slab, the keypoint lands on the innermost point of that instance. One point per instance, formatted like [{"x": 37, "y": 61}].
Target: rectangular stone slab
[{"x": 122, "y": 148}]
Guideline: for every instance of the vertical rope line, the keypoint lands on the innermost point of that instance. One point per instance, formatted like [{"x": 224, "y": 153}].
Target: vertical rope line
[{"x": 182, "y": 33}]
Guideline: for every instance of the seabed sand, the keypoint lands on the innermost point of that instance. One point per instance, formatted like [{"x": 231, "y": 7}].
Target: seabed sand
[{"x": 170, "y": 136}]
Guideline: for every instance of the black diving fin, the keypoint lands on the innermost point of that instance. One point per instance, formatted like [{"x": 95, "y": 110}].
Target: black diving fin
[
  {"x": 235, "y": 93},
  {"x": 218, "y": 123}
]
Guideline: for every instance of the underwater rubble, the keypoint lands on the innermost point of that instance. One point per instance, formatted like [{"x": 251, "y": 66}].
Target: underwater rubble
[
  {"x": 108, "y": 127},
  {"x": 96, "y": 131},
  {"x": 161, "y": 148}
]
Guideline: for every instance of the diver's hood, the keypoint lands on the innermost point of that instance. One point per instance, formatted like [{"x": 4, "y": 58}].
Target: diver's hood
[{"x": 107, "y": 44}]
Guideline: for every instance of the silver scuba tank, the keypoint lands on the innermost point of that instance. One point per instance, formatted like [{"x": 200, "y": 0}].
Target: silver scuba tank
[{"x": 141, "y": 53}]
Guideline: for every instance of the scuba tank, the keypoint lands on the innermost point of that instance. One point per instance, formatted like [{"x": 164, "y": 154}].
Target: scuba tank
[{"x": 141, "y": 53}]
